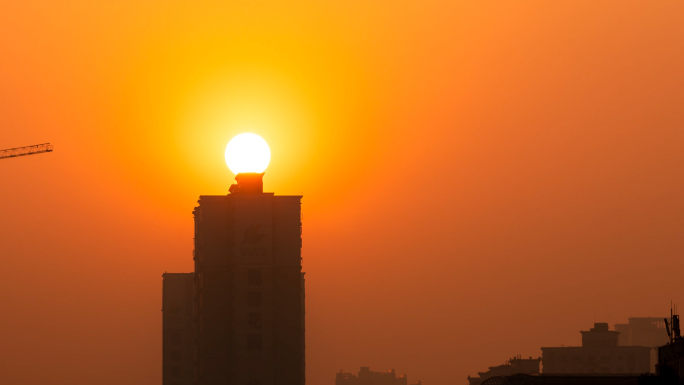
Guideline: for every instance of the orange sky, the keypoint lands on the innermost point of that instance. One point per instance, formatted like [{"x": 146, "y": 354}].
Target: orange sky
[{"x": 480, "y": 178}]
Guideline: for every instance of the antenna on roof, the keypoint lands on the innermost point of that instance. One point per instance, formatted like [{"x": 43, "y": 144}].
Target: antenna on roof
[{"x": 676, "y": 334}]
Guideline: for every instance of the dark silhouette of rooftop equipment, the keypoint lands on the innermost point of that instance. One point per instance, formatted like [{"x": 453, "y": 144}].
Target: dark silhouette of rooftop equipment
[
  {"x": 28, "y": 150},
  {"x": 673, "y": 330}
]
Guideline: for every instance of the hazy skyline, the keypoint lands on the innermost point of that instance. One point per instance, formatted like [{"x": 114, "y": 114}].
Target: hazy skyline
[{"x": 480, "y": 179}]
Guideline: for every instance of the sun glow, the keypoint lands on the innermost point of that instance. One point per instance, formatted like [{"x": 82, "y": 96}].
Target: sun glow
[{"x": 247, "y": 153}]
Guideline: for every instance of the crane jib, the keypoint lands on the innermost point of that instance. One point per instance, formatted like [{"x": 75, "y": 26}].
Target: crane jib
[{"x": 28, "y": 150}]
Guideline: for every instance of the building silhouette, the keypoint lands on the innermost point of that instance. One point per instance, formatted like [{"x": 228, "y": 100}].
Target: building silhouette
[
  {"x": 516, "y": 365},
  {"x": 582, "y": 379},
  {"x": 620, "y": 356},
  {"x": 178, "y": 329},
  {"x": 671, "y": 355},
  {"x": 367, "y": 377},
  {"x": 248, "y": 298},
  {"x": 642, "y": 331},
  {"x": 671, "y": 360},
  {"x": 599, "y": 354}
]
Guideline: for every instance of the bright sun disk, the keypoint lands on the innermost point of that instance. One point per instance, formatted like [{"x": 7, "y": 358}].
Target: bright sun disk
[{"x": 247, "y": 153}]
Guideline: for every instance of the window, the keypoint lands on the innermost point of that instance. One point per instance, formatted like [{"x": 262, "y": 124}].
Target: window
[
  {"x": 254, "y": 277},
  {"x": 254, "y": 341},
  {"x": 254, "y": 299},
  {"x": 255, "y": 321}
]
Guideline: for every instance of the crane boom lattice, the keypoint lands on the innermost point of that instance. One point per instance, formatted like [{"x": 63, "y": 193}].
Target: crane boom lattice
[{"x": 28, "y": 150}]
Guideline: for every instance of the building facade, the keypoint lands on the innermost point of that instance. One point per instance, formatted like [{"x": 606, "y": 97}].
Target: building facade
[
  {"x": 599, "y": 354},
  {"x": 178, "y": 329},
  {"x": 671, "y": 360},
  {"x": 248, "y": 307}
]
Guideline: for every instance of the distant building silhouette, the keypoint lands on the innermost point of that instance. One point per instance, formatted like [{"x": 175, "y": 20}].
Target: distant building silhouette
[
  {"x": 178, "y": 329},
  {"x": 644, "y": 331},
  {"x": 563, "y": 379},
  {"x": 366, "y": 377},
  {"x": 248, "y": 297},
  {"x": 599, "y": 354},
  {"x": 515, "y": 365}
]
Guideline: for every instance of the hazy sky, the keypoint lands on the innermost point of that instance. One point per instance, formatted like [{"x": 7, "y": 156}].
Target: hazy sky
[{"x": 480, "y": 178}]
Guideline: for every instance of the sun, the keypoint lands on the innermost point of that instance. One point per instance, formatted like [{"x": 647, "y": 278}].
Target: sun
[{"x": 247, "y": 153}]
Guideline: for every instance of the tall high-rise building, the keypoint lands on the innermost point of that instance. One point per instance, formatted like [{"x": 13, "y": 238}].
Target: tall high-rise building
[
  {"x": 248, "y": 287},
  {"x": 239, "y": 318}
]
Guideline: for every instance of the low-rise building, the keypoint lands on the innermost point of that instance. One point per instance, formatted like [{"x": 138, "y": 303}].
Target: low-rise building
[
  {"x": 367, "y": 377},
  {"x": 516, "y": 365},
  {"x": 599, "y": 354},
  {"x": 582, "y": 379}
]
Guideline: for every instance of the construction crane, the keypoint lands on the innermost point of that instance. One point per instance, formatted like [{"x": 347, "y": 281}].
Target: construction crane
[{"x": 28, "y": 150}]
